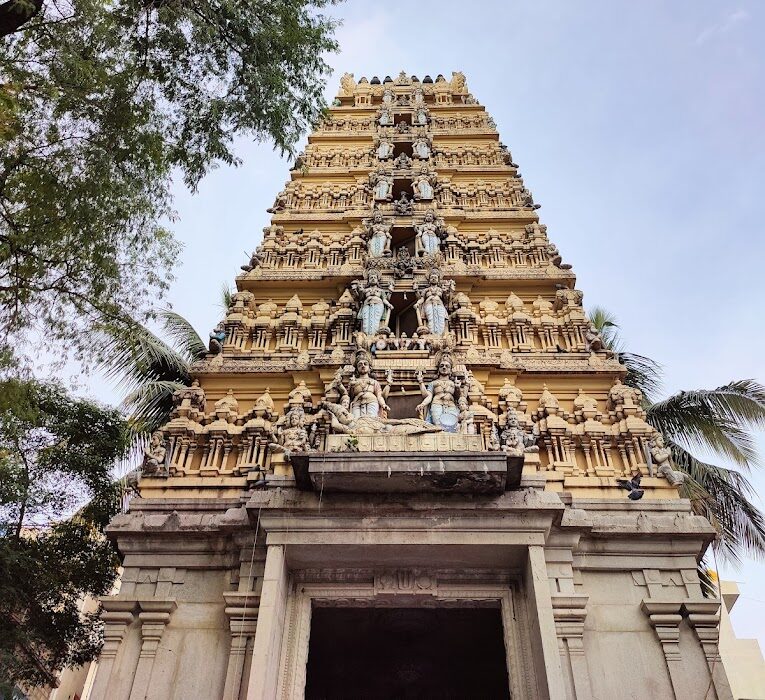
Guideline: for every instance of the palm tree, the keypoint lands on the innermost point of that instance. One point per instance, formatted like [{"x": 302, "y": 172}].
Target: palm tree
[{"x": 717, "y": 422}]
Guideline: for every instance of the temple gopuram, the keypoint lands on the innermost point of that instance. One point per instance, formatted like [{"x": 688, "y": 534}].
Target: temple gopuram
[{"x": 409, "y": 467}]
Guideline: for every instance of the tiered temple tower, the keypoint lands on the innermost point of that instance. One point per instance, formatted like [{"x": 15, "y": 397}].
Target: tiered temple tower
[{"x": 397, "y": 472}]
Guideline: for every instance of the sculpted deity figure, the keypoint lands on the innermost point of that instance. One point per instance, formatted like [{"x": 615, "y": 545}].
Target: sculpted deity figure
[
  {"x": 422, "y": 185},
  {"x": 388, "y": 97},
  {"x": 292, "y": 435},
  {"x": 217, "y": 336},
  {"x": 555, "y": 257},
  {"x": 593, "y": 340},
  {"x": 421, "y": 148},
  {"x": 343, "y": 421},
  {"x": 432, "y": 302},
  {"x": 154, "y": 456},
  {"x": 379, "y": 238},
  {"x": 428, "y": 238},
  {"x": 403, "y": 205},
  {"x": 467, "y": 417},
  {"x": 513, "y": 440},
  {"x": 386, "y": 118},
  {"x": 440, "y": 404},
  {"x": 622, "y": 395},
  {"x": 366, "y": 393},
  {"x": 375, "y": 307},
  {"x": 383, "y": 185},
  {"x": 418, "y": 96},
  {"x": 421, "y": 116},
  {"x": 384, "y": 149},
  {"x": 662, "y": 457},
  {"x": 348, "y": 84}
]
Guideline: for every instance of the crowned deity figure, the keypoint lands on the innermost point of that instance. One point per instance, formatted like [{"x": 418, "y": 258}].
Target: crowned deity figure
[
  {"x": 154, "y": 456},
  {"x": 432, "y": 301},
  {"x": 421, "y": 116},
  {"x": 382, "y": 183},
  {"x": 292, "y": 434},
  {"x": 367, "y": 396},
  {"x": 386, "y": 117},
  {"x": 375, "y": 307},
  {"x": 379, "y": 238},
  {"x": 428, "y": 238},
  {"x": 423, "y": 185},
  {"x": 384, "y": 149},
  {"x": 421, "y": 148},
  {"x": 439, "y": 406},
  {"x": 662, "y": 457}
]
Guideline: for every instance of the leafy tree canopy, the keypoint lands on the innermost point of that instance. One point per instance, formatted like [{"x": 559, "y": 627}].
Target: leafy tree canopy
[
  {"x": 56, "y": 452},
  {"x": 101, "y": 103}
]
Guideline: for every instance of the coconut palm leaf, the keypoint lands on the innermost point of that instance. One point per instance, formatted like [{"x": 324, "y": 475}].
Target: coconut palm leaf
[
  {"x": 721, "y": 495},
  {"x": 642, "y": 372},
  {"x": 226, "y": 296},
  {"x": 150, "y": 405},
  {"x": 718, "y": 420},
  {"x": 182, "y": 336}
]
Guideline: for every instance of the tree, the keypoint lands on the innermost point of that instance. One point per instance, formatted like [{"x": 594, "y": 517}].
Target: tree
[
  {"x": 101, "y": 103},
  {"x": 56, "y": 454},
  {"x": 150, "y": 370},
  {"x": 716, "y": 422}
]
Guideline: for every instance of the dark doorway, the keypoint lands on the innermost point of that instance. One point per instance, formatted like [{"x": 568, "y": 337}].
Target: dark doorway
[{"x": 402, "y": 653}]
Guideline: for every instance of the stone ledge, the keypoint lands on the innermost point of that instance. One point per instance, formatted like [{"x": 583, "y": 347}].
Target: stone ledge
[{"x": 407, "y": 472}]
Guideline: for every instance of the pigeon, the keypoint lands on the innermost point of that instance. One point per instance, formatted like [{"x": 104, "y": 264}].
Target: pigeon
[{"x": 635, "y": 493}]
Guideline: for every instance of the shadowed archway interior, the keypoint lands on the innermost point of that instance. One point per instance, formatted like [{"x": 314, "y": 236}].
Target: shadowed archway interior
[{"x": 377, "y": 653}]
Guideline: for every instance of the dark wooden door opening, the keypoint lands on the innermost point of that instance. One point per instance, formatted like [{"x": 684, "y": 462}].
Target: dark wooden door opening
[{"x": 402, "y": 653}]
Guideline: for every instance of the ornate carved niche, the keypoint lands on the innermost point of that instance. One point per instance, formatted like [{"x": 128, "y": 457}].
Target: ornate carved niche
[
  {"x": 263, "y": 326},
  {"x": 464, "y": 321},
  {"x": 519, "y": 328},
  {"x": 490, "y": 324},
  {"x": 343, "y": 321},
  {"x": 546, "y": 324},
  {"x": 556, "y": 434},
  {"x": 291, "y": 326},
  {"x": 319, "y": 325}
]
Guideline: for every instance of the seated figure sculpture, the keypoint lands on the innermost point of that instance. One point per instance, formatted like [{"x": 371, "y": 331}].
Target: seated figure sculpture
[
  {"x": 154, "y": 456},
  {"x": 291, "y": 436},
  {"x": 367, "y": 397},
  {"x": 662, "y": 457}
]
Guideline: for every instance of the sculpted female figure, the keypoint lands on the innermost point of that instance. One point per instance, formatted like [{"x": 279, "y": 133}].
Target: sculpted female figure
[
  {"x": 440, "y": 404},
  {"x": 375, "y": 308},
  {"x": 430, "y": 307},
  {"x": 366, "y": 393},
  {"x": 379, "y": 236},
  {"x": 427, "y": 240}
]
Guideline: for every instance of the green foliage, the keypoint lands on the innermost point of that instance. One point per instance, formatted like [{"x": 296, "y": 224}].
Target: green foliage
[
  {"x": 100, "y": 104},
  {"x": 716, "y": 421},
  {"x": 149, "y": 370},
  {"x": 56, "y": 452}
]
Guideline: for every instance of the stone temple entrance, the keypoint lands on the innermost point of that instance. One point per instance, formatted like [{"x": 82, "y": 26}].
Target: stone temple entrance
[{"x": 380, "y": 653}]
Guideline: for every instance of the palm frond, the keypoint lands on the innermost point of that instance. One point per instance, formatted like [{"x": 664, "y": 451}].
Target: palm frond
[
  {"x": 642, "y": 373},
  {"x": 721, "y": 495},
  {"x": 183, "y": 336},
  {"x": 150, "y": 405},
  {"x": 605, "y": 323},
  {"x": 136, "y": 356},
  {"x": 719, "y": 419},
  {"x": 225, "y": 296}
]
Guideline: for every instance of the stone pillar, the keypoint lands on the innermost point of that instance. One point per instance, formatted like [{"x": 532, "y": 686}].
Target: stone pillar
[
  {"x": 117, "y": 616},
  {"x": 266, "y": 650},
  {"x": 704, "y": 618},
  {"x": 665, "y": 619},
  {"x": 543, "y": 634},
  {"x": 242, "y": 611},
  {"x": 569, "y": 613},
  {"x": 154, "y": 616}
]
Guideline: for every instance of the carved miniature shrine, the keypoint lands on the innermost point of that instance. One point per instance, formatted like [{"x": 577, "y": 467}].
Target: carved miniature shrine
[{"x": 407, "y": 407}]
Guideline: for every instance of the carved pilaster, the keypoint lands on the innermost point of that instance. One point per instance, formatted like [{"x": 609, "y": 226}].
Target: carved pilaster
[
  {"x": 117, "y": 616},
  {"x": 704, "y": 617},
  {"x": 569, "y": 613},
  {"x": 665, "y": 618},
  {"x": 242, "y": 612},
  {"x": 154, "y": 616}
]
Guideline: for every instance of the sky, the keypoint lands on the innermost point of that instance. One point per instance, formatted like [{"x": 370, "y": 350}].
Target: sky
[{"x": 638, "y": 126}]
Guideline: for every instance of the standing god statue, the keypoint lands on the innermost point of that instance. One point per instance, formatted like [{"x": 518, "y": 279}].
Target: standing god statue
[
  {"x": 382, "y": 183},
  {"x": 432, "y": 301},
  {"x": 421, "y": 148},
  {"x": 440, "y": 404},
  {"x": 366, "y": 393},
  {"x": 378, "y": 241},
  {"x": 428, "y": 238},
  {"x": 384, "y": 149},
  {"x": 375, "y": 307},
  {"x": 422, "y": 185}
]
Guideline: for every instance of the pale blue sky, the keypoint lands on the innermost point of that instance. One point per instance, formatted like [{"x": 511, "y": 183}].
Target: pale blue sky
[{"x": 639, "y": 128}]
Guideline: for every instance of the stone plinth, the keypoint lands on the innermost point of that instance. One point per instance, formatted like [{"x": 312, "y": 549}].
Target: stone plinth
[{"x": 407, "y": 472}]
